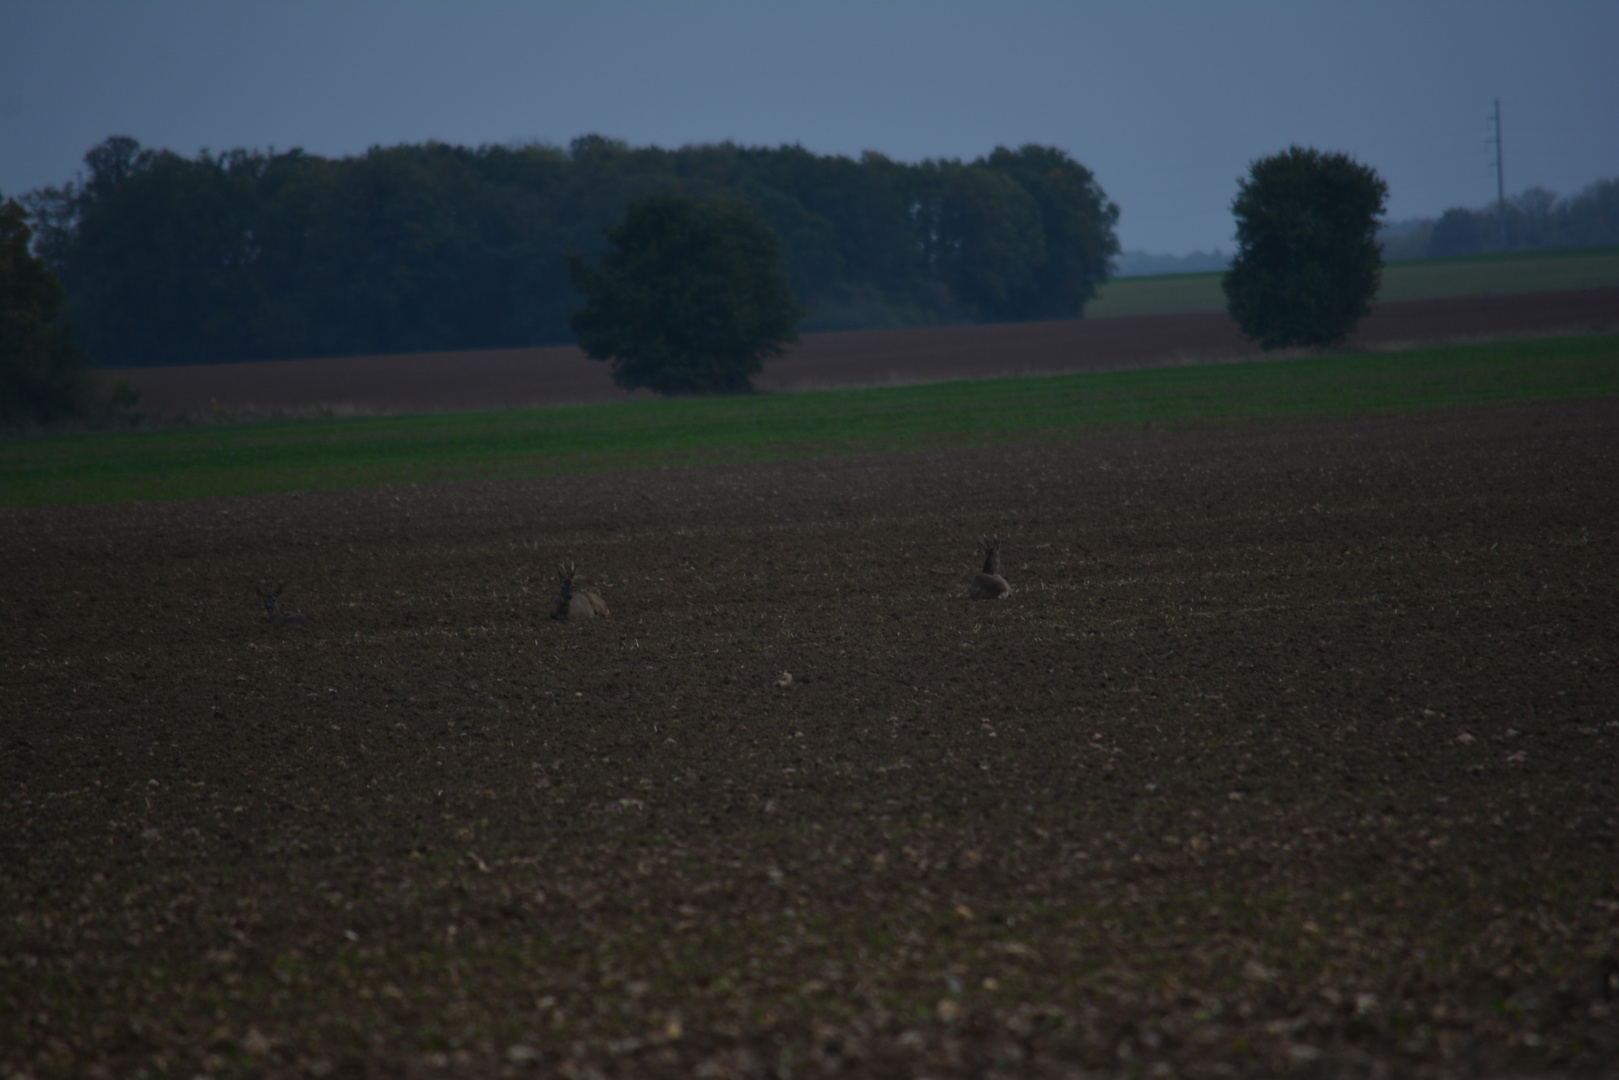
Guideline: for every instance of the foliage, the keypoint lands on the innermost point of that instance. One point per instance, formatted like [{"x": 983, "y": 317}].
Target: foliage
[
  {"x": 1076, "y": 222},
  {"x": 252, "y": 255},
  {"x": 1534, "y": 220},
  {"x": 292, "y": 455},
  {"x": 43, "y": 372},
  {"x": 1307, "y": 262},
  {"x": 1457, "y": 232},
  {"x": 690, "y": 299},
  {"x": 987, "y": 239}
]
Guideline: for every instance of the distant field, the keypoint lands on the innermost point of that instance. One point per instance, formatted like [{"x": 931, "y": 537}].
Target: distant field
[
  {"x": 1166, "y": 294},
  {"x": 338, "y": 453},
  {"x": 1423, "y": 279}
]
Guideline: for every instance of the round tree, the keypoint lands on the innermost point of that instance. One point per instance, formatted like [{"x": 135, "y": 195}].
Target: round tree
[
  {"x": 689, "y": 299},
  {"x": 1308, "y": 262}
]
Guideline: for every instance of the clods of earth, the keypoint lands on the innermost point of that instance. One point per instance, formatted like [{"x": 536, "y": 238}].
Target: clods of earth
[{"x": 1294, "y": 749}]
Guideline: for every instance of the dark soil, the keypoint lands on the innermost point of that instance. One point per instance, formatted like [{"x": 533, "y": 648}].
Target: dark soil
[
  {"x": 1295, "y": 749},
  {"x": 501, "y": 378}
]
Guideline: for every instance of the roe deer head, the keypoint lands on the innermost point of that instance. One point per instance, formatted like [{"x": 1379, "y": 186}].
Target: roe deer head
[{"x": 277, "y": 617}]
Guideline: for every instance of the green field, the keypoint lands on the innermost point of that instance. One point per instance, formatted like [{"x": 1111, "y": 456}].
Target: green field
[
  {"x": 306, "y": 455},
  {"x": 1417, "y": 279}
]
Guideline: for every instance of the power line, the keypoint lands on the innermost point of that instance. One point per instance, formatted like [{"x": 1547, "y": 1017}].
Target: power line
[{"x": 1500, "y": 175}]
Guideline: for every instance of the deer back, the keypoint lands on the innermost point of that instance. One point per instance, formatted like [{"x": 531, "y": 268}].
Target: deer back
[
  {"x": 586, "y": 605},
  {"x": 989, "y": 587},
  {"x": 571, "y": 603}
]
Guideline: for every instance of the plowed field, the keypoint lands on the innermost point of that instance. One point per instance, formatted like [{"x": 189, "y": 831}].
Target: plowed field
[{"x": 1295, "y": 749}]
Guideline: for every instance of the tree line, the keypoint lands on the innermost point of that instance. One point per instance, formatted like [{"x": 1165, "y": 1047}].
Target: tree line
[
  {"x": 249, "y": 254},
  {"x": 1534, "y": 220}
]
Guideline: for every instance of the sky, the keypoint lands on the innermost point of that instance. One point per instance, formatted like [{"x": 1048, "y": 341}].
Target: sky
[{"x": 1166, "y": 102}]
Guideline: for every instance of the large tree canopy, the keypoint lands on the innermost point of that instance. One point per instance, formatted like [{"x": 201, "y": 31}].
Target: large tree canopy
[
  {"x": 263, "y": 255},
  {"x": 690, "y": 298},
  {"x": 42, "y": 370},
  {"x": 1075, "y": 245},
  {"x": 1308, "y": 262}
]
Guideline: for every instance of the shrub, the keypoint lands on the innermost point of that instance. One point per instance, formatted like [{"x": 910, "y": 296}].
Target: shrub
[
  {"x": 1308, "y": 262},
  {"x": 690, "y": 298}
]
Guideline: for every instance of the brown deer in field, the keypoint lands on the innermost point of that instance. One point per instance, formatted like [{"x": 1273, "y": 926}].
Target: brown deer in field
[
  {"x": 574, "y": 603},
  {"x": 988, "y": 584},
  {"x": 280, "y": 618}
]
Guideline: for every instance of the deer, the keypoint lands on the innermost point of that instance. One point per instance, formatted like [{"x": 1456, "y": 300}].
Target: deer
[
  {"x": 279, "y": 618},
  {"x": 988, "y": 584},
  {"x": 571, "y": 603}
]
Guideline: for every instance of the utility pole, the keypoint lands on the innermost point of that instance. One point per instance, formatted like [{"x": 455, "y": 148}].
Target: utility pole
[{"x": 1500, "y": 176}]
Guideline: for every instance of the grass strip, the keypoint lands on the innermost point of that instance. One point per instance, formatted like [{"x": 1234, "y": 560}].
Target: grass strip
[
  {"x": 1415, "y": 279},
  {"x": 325, "y": 454}
]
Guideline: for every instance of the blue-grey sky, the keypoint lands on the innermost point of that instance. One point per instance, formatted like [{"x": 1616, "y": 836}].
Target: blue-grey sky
[{"x": 1167, "y": 102}]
